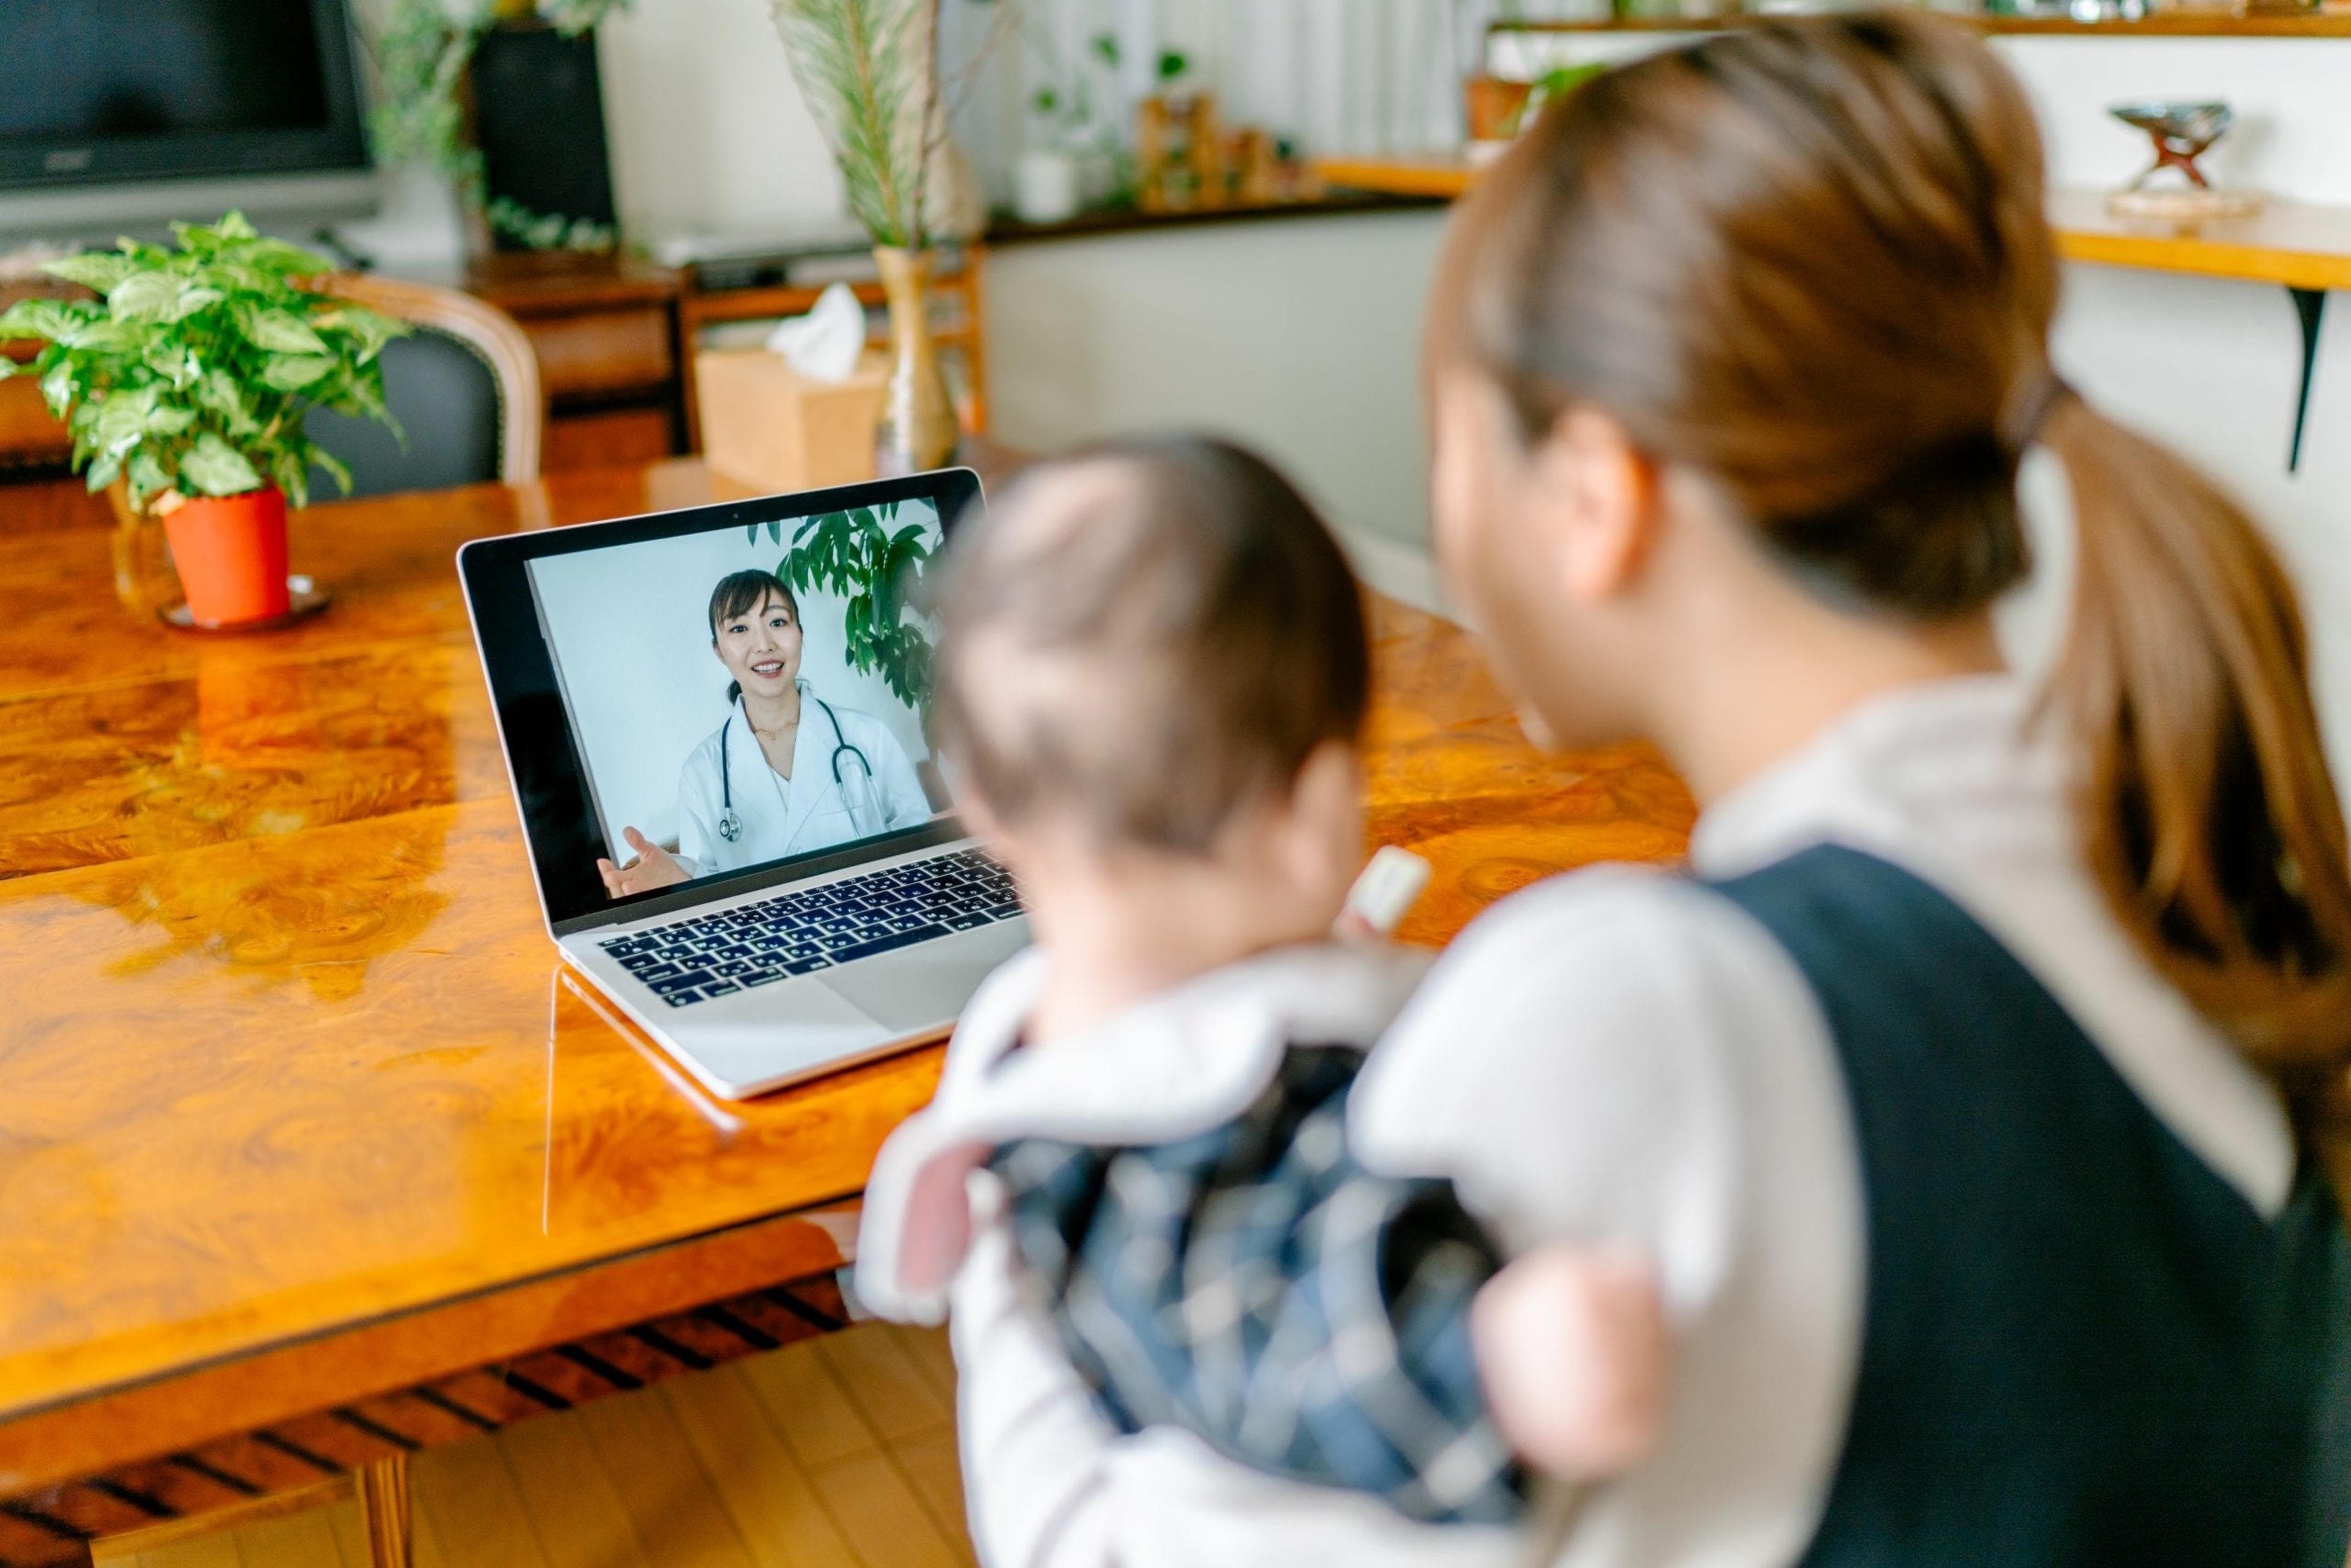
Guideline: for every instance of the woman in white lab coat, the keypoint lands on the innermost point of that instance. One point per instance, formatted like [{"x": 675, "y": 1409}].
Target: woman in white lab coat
[{"x": 787, "y": 772}]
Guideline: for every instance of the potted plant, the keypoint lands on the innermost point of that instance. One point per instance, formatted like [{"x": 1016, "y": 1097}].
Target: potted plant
[
  {"x": 1065, "y": 165},
  {"x": 869, "y": 71},
  {"x": 423, "y": 53},
  {"x": 185, "y": 382},
  {"x": 877, "y": 568}
]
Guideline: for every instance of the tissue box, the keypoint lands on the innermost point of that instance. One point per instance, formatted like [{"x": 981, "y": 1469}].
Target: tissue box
[{"x": 766, "y": 424}]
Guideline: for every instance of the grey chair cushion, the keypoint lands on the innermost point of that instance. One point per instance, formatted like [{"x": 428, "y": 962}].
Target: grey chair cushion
[{"x": 446, "y": 399}]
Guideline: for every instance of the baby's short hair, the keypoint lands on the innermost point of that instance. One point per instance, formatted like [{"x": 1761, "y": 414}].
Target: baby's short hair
[{"x": 1146, "y": 638}]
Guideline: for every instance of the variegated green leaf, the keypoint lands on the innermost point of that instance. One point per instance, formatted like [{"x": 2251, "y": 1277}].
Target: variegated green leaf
[
  {"x": 195, "y": 297},
  {"x": 145, "y": 296},
  {"x": 215, "y": 468},
  {"x": 335, "y": 466},
  {"x": 280, "y": 331},
  {"x": 52, "y": 319},
  {"x": 294, "y": 372},
  {"x": 98, "y": 270},
  {"x": 146, "y": 475}
]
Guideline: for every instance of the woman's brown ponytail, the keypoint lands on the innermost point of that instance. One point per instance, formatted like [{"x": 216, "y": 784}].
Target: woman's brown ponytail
[
  {"x": 2203, "y": 798},
  {"x": 1808, "y": 260}
]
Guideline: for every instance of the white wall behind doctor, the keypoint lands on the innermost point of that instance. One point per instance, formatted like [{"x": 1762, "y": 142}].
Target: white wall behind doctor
[{"x": 644, "y": 685}]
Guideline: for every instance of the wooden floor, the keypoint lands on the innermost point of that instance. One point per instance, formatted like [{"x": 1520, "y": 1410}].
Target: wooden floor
[{"x": 837, "y": 1452}]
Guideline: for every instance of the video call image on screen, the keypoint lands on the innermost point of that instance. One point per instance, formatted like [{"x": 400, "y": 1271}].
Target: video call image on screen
[{"x": 686, "y": 730}]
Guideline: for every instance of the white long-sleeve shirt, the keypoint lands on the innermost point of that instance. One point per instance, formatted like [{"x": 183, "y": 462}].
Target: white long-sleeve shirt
[{"x": 1622, "y": 1053}]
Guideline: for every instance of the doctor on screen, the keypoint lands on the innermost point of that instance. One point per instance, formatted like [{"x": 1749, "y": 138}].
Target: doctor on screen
[{"x": 787, "y": 772}]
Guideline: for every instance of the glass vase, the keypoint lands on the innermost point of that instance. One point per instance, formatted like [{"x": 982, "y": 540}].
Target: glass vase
[{"x": 918, "y": 427}]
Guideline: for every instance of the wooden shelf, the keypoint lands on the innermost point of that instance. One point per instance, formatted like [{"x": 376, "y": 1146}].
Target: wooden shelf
[
  {"x": 1441, "y": 174},
  {"x": 2163, "y": 24},
  {"x": 2287, "y": 243}
]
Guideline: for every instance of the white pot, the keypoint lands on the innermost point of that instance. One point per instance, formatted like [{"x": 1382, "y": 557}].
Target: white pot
[{"x": 1047, "y": 187}]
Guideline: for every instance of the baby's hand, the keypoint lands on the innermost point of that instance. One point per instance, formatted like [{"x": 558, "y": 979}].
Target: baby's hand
[{"x": 1572, "y": 1352}]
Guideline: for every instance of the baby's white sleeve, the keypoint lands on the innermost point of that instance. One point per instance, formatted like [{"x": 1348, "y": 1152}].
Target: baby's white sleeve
[{"x": 1035, "y": 1451}]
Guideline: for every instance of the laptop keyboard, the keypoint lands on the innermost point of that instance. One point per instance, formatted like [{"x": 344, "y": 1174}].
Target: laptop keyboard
[{"x": 813, "y": 928}]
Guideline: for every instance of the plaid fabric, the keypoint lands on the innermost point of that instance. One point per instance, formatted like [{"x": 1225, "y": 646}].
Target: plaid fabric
[{"x": 1259, "y": 1288}]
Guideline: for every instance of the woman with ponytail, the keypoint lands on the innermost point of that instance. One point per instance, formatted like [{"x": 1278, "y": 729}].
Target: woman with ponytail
[{"x": 1972, "y": 1102}]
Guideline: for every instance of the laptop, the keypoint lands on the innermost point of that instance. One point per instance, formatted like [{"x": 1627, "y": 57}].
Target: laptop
[{"x": 801, "y": 923}]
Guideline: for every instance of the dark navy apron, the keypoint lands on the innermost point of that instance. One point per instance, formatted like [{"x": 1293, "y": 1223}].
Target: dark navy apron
[{"x": 2080, "y": 1345}]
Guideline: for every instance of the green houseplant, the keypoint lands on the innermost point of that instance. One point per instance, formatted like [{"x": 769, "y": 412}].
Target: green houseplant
[
  {"x": 186, "y": 382},
  {"x": 422, "y": 50},
  {"x": 877, "y": 570}
]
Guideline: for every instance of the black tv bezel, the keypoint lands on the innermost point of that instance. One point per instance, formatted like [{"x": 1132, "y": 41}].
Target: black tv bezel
[
  {"x": 30, "y": 163},
  {"x": 548, "y": 777}
]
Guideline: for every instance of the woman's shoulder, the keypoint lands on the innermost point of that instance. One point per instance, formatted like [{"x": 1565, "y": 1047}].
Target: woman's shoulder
[
  {"x": 1614, "y": 929},
  {"x": 1615, "y": 987}
]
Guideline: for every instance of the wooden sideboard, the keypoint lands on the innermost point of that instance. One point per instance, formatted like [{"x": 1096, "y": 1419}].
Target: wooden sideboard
[
  {"x": 615, "y": 337},
  {"x": 609, "y": 352}
]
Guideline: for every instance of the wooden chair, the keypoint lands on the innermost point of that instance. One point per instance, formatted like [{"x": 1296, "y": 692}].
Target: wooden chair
[{"x": 465, "y": 388}]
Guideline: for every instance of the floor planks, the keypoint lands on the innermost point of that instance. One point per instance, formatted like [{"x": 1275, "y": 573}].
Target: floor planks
[{"x": 836, "y": 1452}]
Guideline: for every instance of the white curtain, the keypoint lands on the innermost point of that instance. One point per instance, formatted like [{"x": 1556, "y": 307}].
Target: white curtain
[{"x": 1331, "y": 76}]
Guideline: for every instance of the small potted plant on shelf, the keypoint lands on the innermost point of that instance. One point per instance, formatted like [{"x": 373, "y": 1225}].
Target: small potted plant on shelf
[{"x": 184, "y": 382}]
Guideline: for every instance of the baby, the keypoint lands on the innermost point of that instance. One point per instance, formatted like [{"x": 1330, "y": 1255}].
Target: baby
[{"x": 1134, "y": 1185}]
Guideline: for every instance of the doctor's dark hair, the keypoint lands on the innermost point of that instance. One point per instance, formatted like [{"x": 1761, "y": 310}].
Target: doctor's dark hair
[
  {"x": 740, "y": 593},
  {"x": 1146, "y": 638},
  {"x": 1807, "y": 264}
]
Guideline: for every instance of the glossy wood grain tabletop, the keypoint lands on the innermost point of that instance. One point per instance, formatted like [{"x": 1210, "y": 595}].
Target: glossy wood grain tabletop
[{"x": 287, "y": 1062}]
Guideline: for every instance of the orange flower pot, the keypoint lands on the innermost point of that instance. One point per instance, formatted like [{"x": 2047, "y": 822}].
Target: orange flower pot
[
  {"x": 231, "y": 554},
  {"x": 1493, "y": 107}
]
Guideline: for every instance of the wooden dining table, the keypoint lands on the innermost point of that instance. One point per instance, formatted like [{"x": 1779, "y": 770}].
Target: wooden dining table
[{"x": 312, "y": 1152}]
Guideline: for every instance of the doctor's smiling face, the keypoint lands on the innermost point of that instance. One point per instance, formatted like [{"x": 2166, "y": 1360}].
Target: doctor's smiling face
[{"x": 755, "y": 631}]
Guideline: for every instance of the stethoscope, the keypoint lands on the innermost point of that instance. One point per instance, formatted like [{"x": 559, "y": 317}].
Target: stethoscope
[{"x": 730, "y": 822}]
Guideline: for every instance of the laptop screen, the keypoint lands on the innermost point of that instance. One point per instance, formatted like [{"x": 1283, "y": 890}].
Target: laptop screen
[{"x": 740, "y": 688}]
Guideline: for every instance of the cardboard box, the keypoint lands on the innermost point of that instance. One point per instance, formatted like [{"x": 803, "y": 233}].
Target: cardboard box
[{"x": 767, "y": 425}]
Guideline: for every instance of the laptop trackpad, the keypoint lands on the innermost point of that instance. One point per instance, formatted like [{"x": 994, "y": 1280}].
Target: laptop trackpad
[{"x": 926, "y": 985}]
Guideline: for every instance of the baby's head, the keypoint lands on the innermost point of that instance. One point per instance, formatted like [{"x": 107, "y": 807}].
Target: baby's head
[{"x": 1152, "y": 675}]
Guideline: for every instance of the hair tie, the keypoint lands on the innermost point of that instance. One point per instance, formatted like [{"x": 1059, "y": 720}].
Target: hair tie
[{"x": 2033, "y": 408}]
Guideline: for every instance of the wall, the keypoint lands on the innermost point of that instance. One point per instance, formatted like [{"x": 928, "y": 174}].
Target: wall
[
  {"x": 1300, "y": 335},
  {"x": 708, "y": 132},
  {"x": 1297, "y": 335}
]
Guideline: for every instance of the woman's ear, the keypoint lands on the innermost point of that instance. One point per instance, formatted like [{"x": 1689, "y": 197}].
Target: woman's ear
[{"x": 1599, "y": 503}]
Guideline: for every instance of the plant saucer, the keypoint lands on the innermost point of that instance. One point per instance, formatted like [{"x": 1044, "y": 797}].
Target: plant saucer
[{"x": 304, "y": 599}]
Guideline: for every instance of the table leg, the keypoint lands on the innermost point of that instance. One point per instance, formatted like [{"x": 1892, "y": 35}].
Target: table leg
[{"x": 383, "y": 1503}]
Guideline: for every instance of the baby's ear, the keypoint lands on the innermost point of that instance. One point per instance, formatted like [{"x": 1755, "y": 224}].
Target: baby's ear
[
  {"x": 983, "y": 824},
  {"x": 1331, "y": 781}
]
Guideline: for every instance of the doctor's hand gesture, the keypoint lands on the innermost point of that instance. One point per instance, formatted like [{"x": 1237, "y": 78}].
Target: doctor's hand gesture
[{"x": 651, "y": 867}]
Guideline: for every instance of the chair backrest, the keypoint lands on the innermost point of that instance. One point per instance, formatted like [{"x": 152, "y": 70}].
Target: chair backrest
[{"x": 466, "y": 389}]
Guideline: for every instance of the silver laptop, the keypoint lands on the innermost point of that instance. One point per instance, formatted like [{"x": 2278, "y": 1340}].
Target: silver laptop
[{"x": 743, "y": 689}]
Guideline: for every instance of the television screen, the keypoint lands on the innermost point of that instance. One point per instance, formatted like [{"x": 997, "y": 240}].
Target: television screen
[{"x": 107, "y": 90}]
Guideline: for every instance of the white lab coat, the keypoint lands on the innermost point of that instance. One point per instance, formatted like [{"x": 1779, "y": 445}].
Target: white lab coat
[{"x": 806, "y": 812}]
